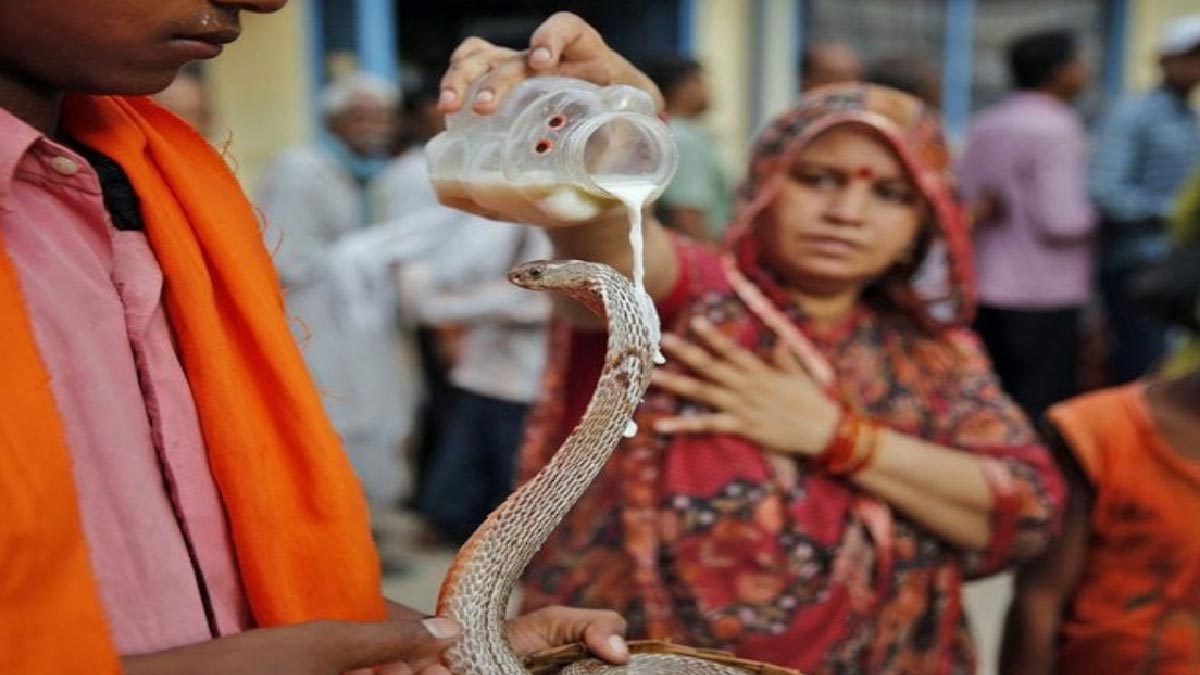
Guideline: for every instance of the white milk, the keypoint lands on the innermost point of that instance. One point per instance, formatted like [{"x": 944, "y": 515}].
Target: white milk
[
  {"x": 532, "y": 201},
  {"x": 634, "y": 194}
]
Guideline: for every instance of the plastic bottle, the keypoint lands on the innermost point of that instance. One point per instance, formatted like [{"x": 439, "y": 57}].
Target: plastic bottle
[{"x": 557, "y": 150}]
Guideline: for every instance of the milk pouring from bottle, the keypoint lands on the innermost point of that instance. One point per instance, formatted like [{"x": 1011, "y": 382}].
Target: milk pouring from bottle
[{"x": 558, "y": 150}]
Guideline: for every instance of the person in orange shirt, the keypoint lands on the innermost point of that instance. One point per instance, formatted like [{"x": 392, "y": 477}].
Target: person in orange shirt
[
  {"x": 174, "y": 497},
  {"x": 1119, "y": 592}
]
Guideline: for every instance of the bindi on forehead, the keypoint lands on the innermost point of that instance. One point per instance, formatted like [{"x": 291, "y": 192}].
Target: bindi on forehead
[
  {"x": 852, "y": 170},
  {"x": 863, "y": 172}
]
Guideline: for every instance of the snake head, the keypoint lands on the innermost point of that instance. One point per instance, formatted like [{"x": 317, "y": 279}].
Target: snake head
[
  {"x": 553, "y": 274},
  {"x": 583, "y": 281}
]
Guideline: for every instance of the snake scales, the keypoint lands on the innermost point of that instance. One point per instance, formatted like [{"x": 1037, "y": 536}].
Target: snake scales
[{"x": 480, "y": 582}]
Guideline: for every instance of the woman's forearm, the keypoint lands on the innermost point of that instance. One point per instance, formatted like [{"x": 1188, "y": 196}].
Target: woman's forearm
[
  {"x": 608, "y": 242},
  {"x": 941, "y": 489}
]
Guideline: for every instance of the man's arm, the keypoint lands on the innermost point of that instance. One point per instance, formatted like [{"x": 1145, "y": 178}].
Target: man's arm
[
  {"x": 1044, "y": 588},
  {"x": 1112, "y": 179},
  {"x": 314, "y": 648},
  {"x": 1057, "y": 201}
]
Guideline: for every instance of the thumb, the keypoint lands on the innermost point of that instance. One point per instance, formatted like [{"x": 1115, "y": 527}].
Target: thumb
[
  {"x": 786, "y": 360},
  {"x": 361, "y": 645}
]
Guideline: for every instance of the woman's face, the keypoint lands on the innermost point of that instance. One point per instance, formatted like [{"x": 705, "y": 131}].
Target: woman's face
[{"x": 845, "y": 214}]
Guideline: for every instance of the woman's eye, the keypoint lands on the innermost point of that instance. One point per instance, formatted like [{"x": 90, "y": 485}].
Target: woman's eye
[
  {"x": 817, "y": 179},
  {"x": 892, "y": 192}
]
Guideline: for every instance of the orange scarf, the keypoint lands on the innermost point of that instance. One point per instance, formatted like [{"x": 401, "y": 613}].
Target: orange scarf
[{"x": 297, "y": 515}]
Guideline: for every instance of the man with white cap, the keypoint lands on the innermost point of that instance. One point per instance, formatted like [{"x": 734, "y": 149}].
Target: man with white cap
[
  {"x": 1146, "y": 148},
  {"x": 311, "y": 197}
]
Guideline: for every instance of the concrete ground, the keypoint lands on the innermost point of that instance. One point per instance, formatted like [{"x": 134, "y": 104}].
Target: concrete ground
[
  {"x": 424, "y": 566},
  {"x": 417, "y": 586}
]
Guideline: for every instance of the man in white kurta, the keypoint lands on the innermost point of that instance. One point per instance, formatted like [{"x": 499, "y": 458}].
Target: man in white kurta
[
  {"x": 312, "y": 197},
  {"x": 452, "y": 269}
]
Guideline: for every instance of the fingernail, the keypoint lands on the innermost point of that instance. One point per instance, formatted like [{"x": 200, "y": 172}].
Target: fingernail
[
  {"x": 701, "y": 323},
  {"x": 540, "y": 54},
  {"x": 447, "y": 96},
  {"x": 667, "y": 340},
  {"x": 485, "y": 96},
  {"x": 663, "y": 426},
  {"x": 441, "y": 629},
  {"x": 618, "y": 646}
]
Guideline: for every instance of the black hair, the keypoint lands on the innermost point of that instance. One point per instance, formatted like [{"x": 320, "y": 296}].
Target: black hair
[
  {"x": 1034, "y": 59},
  {"x": 909, "y": 74},
  {"x": 1170, "y": 288},
  {"x": 668, "y": 72},
  {"x": 415, "y": 99}
]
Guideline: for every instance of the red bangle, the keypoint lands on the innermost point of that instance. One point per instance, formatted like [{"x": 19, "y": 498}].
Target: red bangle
[
  {"x": 853, "y": 447},
  {"x": 840, "y": 449},
  {"x": 864, "y": 451}
]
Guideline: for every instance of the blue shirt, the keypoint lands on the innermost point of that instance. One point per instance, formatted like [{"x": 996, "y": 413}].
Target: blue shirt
[{"x": 1144, "y": 150}]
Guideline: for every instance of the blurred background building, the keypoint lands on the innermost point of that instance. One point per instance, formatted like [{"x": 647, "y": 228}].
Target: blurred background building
[{"x": 264, "y": 89}]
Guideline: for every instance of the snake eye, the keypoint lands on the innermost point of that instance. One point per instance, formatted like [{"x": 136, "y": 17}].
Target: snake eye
[{"x": 535, "y": 273}]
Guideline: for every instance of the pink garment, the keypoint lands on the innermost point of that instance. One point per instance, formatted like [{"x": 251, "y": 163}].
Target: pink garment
[
  {"x": 1031, "y": 148},
  {"x": 155, "y": 525}
]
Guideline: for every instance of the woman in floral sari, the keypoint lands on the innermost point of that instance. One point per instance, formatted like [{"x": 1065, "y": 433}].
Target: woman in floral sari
[{"x": 827, "y": 456}]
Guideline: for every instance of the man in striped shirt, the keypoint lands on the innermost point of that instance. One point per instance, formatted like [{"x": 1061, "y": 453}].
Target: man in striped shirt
[{"x": 1145, "y": 149}]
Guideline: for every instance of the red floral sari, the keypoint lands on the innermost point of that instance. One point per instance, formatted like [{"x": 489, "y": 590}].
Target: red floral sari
[{"x": 695, "y": 540}]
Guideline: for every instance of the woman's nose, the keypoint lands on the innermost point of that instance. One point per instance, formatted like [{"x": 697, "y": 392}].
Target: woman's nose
[{"x": 846, "y": 206}]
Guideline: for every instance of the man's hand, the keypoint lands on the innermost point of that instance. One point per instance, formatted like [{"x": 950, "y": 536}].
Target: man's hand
[
  {"x": 601, "y": 631},
  {"x": 395, "y": 647},
  {"x": 563, "y": 45}
]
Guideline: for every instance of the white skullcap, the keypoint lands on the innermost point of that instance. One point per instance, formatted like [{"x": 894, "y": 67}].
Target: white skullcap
[
  {"x": 1180, "y": 36},
  {"x": 337, "y": 96}
]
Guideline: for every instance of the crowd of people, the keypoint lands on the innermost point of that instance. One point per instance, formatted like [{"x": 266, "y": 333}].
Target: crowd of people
[
  {"x": 873, "y": 391},
  {"x": 872, "y": 365}
]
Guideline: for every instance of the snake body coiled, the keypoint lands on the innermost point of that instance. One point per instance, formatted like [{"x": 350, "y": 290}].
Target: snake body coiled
[{"x": 480, "y": 583}]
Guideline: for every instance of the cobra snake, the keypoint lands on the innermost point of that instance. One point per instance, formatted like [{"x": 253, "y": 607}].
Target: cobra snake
[{"x": 480, "y": 583}]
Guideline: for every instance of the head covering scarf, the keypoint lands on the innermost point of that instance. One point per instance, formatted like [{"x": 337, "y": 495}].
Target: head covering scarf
[
  {"x": 697, "y": 539},
  {"x": 943, "y": 275}
]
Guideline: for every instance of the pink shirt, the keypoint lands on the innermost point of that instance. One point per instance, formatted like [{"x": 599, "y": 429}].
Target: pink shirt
[
  {"x": 155, "y": 525},
  {"x": 1031, "y": 148}
]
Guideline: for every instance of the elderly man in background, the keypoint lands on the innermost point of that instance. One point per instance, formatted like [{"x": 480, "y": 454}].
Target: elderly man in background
[{"x": 312, "y": 197}]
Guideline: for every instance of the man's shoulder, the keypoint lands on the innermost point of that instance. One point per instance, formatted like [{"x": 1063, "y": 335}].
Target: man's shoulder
[
  {"x": 1134, "y": 107},
  {"x": 1027, "y": 116},
  {"x": 689, "y": 131},
  {"x": 301, "y": 154},
  {"x": 404, "y": 168},
  {"x": 999, "y": 118},
  {"x": 298, "y": 161}
]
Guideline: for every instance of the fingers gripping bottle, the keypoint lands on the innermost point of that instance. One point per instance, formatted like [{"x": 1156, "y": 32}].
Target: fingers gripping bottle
[{"x": 558, "y": 150}]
